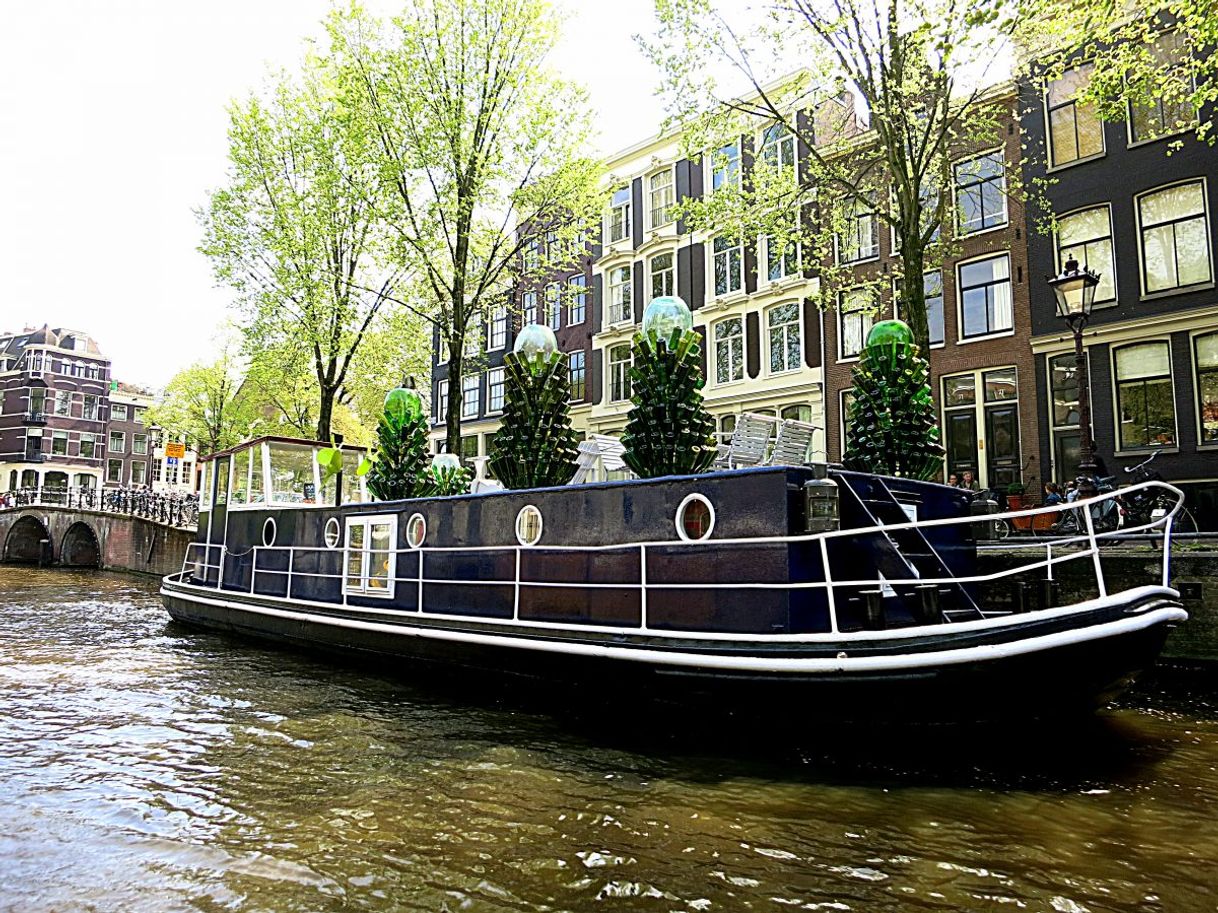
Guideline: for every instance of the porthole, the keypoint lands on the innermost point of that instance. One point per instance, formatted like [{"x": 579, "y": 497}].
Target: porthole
[
  {"x": 268, "y": 532},
  {"x": 528, "y": 525},
  {"x": 695, "y": 519},
  {"x": 416, "y": 530},
  {"x": 333, "y": 533}
]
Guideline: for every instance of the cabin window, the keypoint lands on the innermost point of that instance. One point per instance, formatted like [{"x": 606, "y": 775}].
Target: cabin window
[
  {"x": 257, "y": 486},
  {"x": 222, "y": 466},
  {"x": 695, "y": 518},
  {"x": 241, "y": 476},
  {"x": 370, "y": 555},
  {"x": 528, "y": 525},
  {"x": 204, "y": 487},
  {"x": 416, "y": 530},
  {"x": 269, "y": 529},
  {"x": 292, "y": 478},
  {"x": 332, "y": 533}
]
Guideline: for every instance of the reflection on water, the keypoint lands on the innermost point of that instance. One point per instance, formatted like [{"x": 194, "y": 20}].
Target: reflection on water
[{"x": 145, "y": 766}]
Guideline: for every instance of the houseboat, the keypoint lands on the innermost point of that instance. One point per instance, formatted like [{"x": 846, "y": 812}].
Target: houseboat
[{"x": 855, "y": 594}]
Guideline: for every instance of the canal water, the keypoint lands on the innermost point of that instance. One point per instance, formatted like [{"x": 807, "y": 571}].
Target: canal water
[{"x": 148, "y": 767}]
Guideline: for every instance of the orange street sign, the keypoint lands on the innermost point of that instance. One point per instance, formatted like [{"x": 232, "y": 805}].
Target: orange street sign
[{"x": 175, "y": 450}]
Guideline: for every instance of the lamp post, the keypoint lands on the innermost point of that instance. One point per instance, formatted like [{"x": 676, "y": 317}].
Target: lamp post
[{"x": 1075, "y": 291}]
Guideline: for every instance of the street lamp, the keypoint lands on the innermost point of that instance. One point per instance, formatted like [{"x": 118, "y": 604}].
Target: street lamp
[{"x": 1075, "y": 291}]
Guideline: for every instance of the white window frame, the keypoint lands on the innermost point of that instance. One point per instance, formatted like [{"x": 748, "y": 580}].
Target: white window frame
[
  {"x": 1113, "y": 351},
  {"x": 798, "y": 323},
  {"x": 659, "y": 211},
  {"x": 726, "y": 254},
  {"x": 671, "y": 272},
  {"x": 963, "y": 339},
  {"x": 732, "y": 171},
  {"x": 1133, "y": 141},
  {"x": 860, "y": 254},
  {"x": 578, "y": 304},
  {"x": 763, "y": 263},
  {"x": 735, "y": 363},
  {"x": 583, "y": 367},
  {"x": 620, "y": 311},
  {"x": 1072, "y": 103},
  {"x": 499, "y": 326},
  {"x": 625, "y": 365},
  {"x": 785, "y": 144},
  {"x": 866, "y": 314},
  {"x": 1209, "y": 238},
  {"x": 441, "y": 401},
  {"x": 495, "y": 378},
  {"x": 528, "y": 307},
  {"x": 122, "y": 442},
  {"x": 469, "y": 405},
  {"x": 1112, "y": 270},
  {"x": 896, "y": 303},
  {"x": 367, "y": 522},
  {"x": 553, "y": 299},
  {"x": 957, "y": 188},
  {"x": 612, "y": 220}
]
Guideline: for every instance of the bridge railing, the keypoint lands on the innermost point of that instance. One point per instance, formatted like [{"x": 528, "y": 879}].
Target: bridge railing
[{"x": 171, "y": 509}]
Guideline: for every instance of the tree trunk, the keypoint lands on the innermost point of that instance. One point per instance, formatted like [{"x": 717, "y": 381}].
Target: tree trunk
[
  {"x": 325, "y": 413},
  {"x": 452, "y": 419},
  {"x": 913, "y": 292}
]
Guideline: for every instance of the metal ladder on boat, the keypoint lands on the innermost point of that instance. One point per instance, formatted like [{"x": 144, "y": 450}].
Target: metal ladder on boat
[{"x": 910, "y": 554}]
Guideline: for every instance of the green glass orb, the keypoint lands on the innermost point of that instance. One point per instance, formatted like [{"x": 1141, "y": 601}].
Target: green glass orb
[
  {"x": 535, "y": 340},
  {"x": 890, "y": 332},
  {"x": 665, "y": 314},
  {"x": 403, "y": 405},
  {"x": 445, "y": 462}
]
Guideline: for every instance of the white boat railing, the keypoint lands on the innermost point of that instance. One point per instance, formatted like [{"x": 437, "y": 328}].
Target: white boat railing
[{"x": 204, "y": 566}]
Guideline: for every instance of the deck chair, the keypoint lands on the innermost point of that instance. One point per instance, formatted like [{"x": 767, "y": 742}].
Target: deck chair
[
  {"x": 600, "y": 454},
  {"x": 750, "y": 441},
  {"x": 793, "y": 443}
]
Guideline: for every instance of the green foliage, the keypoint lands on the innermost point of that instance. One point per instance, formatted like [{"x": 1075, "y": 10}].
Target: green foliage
[
  {"x": 893, "y": 429},
  {"x": 205, "y": 403},
  {"x": 669, "y": 431},
  {"x": 397, "y": 472},
  {"x": 535, "y": 445}
]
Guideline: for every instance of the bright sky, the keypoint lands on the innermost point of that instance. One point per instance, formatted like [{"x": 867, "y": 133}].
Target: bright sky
[{"x": 114, "y": 130}]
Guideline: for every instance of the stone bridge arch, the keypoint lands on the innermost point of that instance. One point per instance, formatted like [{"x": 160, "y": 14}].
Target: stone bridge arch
[
  {"x": 80, "y": 546},
  {"x": 29, "y": 542}
]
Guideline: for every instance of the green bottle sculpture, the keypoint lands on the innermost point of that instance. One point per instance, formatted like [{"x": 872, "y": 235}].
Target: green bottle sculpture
[
  {"x": 892, "y": 428},
  {"x": 535, "y": 445},
  {"x": 401, "y": 447},
  {"x": 445, "y": 476},
  {"x": 669, "y": 431}
]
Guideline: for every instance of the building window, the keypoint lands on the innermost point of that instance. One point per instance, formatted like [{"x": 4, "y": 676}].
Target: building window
[
  {"x": 660, "y": 198},
  {"x": 118, "y": 412},
  {"x": 778, "y": 146},
  {"x": 1171, "y": 110},
  {"x": 59, "y": 443},
  {"x": 494, "y": 390},
  {"x": 859, "y": 239},
  {"x": 1175, "y": 237},
  {"x": 575, "y": 367},
  {"x": 782, "y": 327},
  {"x": 370, "y": 555},
  {"x": 473, "y": 337},
  {"x": 188, "y": 479},
  {"x": 37, "y": 401},
  {"x": 847, "y": 405},
  {"x": 577, "y": 308},
  {"x": 554, "y": 247},
  {"x": 63, "y": 402},
  {"x": 118, "y": 441},
  {"x": 932, "y": 293},
  {"x": 981, "y": 198},
  {"x": 1075, "y": 129},
  {"x": 781, "y": 258},
  {"x": 88, "y": 446},
  {"x": 554, "y": 306},
  {"x": 856, "y": 311},
  {"x": 499, "y": 325},
  {"x": 1064, "y": 415},
  {"x": 89, "y": 410},
  {"x": 532, "y": 256},
  {"x": 729, "y": 350},
  {"x": 729, "y": 265},
  {"x": 663, "y": 277},
  {"x": 441, "y": 401},
  {"x": 137, "y": 414},
  {"x": 981, "y": 426},
  {"x": 619, "y": 373},
  {"x": 1205, "y": 352},
  {"x": 138, "y": 470},
  {"x": 617, "y": 221},
  {"x": 528, "y": 308},
  {"x": 139, "y": 443},
  {"x": 1087, "y": 237},
  {"x": 725, "y": 167},
  {"x": 985, "y": 296},
  {"x": 621, "y": 299},
  {"x": 469, "y": 396},
  {"x": 469, "y": 447},
  {"x": 1146, "y": 410},
  {"x": 114, "y": 471}
]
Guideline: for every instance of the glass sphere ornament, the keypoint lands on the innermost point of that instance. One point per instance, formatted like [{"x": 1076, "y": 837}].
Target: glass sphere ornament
[
  {"x": 403, "y": 405},
  {"x": 535, "y": 340},
  {"x": 665, "y": 314},
  {"x": 446, "y": 462},
  {"x": 890, "y": 332}
]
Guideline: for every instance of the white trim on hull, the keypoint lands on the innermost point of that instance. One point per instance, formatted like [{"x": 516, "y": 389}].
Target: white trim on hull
[{"x": 1160, "y": 612}]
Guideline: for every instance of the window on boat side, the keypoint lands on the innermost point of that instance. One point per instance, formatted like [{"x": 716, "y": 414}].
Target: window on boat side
[
  {"x": 292, "y": 478},
  {"x": 695, "y": 518},
  {"x": 370, "y": 555},
  {"x": 241, "y": 472},
  {"x": 222, "y": 466}
]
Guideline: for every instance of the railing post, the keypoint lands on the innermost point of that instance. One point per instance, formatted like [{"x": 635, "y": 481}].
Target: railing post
[
  {"x": 419, "y": 599},
  {"x": 254, "y": 570},
  {"x": 291, "y": 567},
  {"x": 643, "y": 585},
  {"x": 1095, "y": 551},
  {"x": 516, "y": 594},
  {"x": 1167, "y": 550},
  {"x": 828, "y": 576}
]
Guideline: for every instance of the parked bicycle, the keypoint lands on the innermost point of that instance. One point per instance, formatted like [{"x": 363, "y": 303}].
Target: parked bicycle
[{"x": 1141, "y": 508}]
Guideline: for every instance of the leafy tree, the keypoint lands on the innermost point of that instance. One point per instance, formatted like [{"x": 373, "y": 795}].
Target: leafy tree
[
  {"x": 918, "y": 68},
  {"x": 202, "y": 403},
  {"x": 482, "y": 149},
  {"x": 297, "y": 232}
]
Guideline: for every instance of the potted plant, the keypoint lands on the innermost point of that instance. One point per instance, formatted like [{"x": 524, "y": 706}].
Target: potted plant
[{"x": 1015, "y": 496}]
